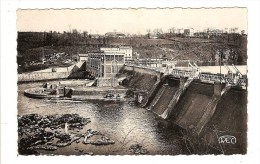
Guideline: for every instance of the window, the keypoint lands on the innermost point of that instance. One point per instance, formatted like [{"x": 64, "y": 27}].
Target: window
[
  {"x": 114, "y": 69},
  {"x": 108, "y": 57},
  {"x": 117, "y": 57},
  {"x": 120, "y": 58},
  {"x": 108, "y": 69}
]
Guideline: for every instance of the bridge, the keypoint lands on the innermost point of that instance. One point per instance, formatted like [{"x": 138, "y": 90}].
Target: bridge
[{"x": 231, "y": 75}]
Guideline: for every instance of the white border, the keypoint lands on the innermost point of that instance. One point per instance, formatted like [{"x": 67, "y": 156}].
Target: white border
[{"x": 9, "y": 79}]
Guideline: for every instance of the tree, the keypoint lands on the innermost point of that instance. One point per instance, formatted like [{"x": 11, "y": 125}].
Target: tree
[
  {"x": 48, "y": 39},
  {"x": 158, "y": 31},
  {"x": 85, "y": 35},
  {"x": 104, "y": 41},
  {"x": 75, "y": 36},
  {"x": 172, "y": 30},
  {"x": 148, "y": 32}
]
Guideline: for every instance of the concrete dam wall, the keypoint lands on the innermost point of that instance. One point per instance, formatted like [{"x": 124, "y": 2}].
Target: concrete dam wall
[
  {"x": 141, "y": 81},
  {"x": 204, "y": 109},
  {"x": 212, "y": 111},
  {"x": 73, "y": 71},
  {"x": 165, "y": 94},
  {"x": 207, "y": 112},
  {"x": 230, "y": 118},
  {"x": 191, "y": 107}
]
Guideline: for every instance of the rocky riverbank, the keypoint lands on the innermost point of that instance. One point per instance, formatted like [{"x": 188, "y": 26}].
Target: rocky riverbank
[{"x": 52, "y": 132}]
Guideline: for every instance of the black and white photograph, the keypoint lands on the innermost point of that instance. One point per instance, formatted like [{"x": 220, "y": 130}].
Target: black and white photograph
[{"x": 129, "y": 82}]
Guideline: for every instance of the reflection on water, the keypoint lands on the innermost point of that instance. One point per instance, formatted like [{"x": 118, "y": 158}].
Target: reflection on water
[{"x": 124, "y": 124}]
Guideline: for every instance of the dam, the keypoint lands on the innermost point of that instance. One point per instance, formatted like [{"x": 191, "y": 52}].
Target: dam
[
  {"x": 195, "y": 102},
  {"x": 204, "y": 105}
]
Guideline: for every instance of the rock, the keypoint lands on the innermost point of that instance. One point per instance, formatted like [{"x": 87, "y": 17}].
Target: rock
[
  {"x": 49, "y": 143},
  {"x": 89, "y": 153},
  {"x": 89, "y": 134},
  {"x": 63, "y": 137},
  {"x": 102, "y": 141},
  {"x": 38, "y": 142},
  {"x": 43, "y": 147},
  {"x": 137, "y": 149},
  {"x": 35, "y": 131},
  {"x": 63, "y": 144}
]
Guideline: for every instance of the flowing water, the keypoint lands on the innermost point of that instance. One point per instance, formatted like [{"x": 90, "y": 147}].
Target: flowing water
[{"x": 125, "y": 124}]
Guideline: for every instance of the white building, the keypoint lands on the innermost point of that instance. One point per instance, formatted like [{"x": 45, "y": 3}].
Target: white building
[
  {"x": 105, "y": 64},
  {"x": 150, "y": 62},
  {"x": 127, "y": 50},
  {"x": 188, "y": 32},
  {"x": 83, "y": 57},
  {"x": 115, "y": 35}
]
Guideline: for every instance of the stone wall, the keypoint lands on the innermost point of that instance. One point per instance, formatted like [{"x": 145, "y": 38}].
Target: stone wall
[
  {"x": 141, "y": 70},
  {"x": 38, "y": 76},
  {"x": 73, "y": 71}
]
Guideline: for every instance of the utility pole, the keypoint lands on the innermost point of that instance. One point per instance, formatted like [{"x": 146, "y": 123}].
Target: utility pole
[
  {"x": 114, "y": 72},
  {"x": 220, "y": 59},
  {"x": 43, "y": 56}
]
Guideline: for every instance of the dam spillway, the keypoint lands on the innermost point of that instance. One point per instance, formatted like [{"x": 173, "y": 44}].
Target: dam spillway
[
  {"x": 164, "y": 96},
  {"x": 191, "y": 107}
]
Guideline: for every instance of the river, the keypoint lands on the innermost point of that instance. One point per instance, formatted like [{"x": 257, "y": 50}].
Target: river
[{"x": 125, "y": 124}]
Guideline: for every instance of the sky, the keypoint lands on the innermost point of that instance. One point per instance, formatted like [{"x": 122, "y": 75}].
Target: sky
[{"x": 133, "y": 21}]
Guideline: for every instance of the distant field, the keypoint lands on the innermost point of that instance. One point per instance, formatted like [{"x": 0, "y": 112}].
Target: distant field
[
  {"x": 136, "y": 42},
  {"x": 197, "y": 40}
]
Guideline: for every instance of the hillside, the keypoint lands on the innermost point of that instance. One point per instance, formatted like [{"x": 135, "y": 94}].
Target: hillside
[{"x": 34, "y": 47}]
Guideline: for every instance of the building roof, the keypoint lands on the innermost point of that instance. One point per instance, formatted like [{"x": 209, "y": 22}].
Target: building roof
[
  {"x": 125, "y": 47},
  {"x": 96, "y": 53},
  {"x": 83, "y": 55},
  {"x": 115, "y": 34},
  {"x": 116, "y": 47},
  {"x": 114, "y": 53}
]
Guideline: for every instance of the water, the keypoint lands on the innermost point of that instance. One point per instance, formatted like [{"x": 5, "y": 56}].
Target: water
[{"x": 125, "y": 124}]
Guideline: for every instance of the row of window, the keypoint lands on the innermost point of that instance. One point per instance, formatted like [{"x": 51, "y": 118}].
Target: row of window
[{"x": 119, "y": 58}]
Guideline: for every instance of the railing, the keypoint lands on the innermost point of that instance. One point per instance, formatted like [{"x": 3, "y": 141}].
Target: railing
[
  {"x": 211, "y": 77},
  {"x": 236, "y": 81},
  {"x": 203, "y": 76},
  {"x": 181, "y": 73}
]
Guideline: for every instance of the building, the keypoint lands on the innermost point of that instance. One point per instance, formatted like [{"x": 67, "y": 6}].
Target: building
[
  {"x": 150, "y": 62},
  {"x": 151, "y": 36},
  {"x": 105, "y": 64},
  {"x": 180, "y": 31},
  {"x": 83, "y": 57},
  {"x": 96, "y": 36},
  {"x": 109, "y": 49},
  {"x": 188, "y": 32},
  {"x": 115, "y": 35},
  {"x": 127, "y": 50}
]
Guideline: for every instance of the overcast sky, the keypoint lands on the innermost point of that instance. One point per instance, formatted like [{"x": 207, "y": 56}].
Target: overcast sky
[{"x": 130, "y": 20}]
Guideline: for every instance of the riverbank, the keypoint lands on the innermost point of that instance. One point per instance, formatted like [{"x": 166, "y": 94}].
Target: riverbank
[
  {"x": 129, "y": 126},
  {"x": 49, "y": 133}
]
